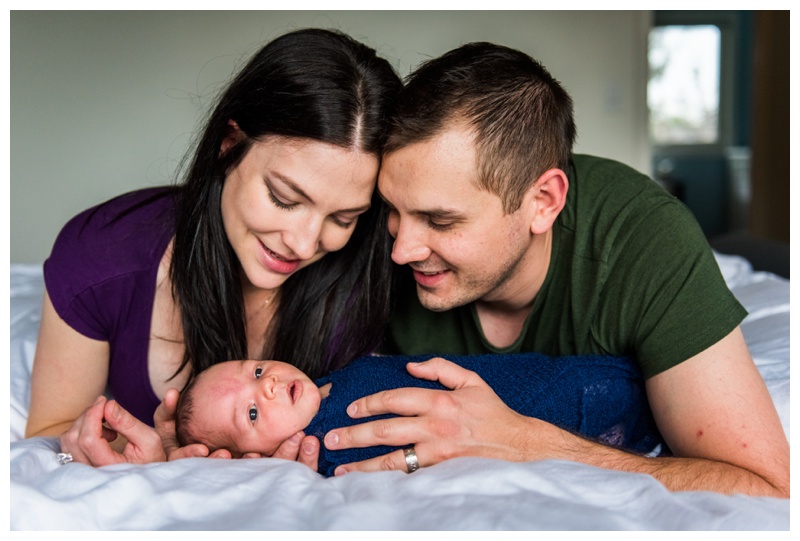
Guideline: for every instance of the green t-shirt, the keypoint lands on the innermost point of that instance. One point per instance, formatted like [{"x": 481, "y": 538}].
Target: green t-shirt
[{"x": 630, "y": 274}]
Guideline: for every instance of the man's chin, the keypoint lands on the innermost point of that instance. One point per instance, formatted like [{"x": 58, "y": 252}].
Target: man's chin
[{"x": 436, "y": 303}]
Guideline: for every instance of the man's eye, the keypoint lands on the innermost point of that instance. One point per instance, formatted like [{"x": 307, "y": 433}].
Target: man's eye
[
  {"x": 259, "y": 371},
  {"x": 437, "y": 226},
  {"x": 253, "y": 414}
]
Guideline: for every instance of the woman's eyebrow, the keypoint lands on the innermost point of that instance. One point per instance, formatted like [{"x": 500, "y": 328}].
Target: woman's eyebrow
[{"x": 292, "y": 185}]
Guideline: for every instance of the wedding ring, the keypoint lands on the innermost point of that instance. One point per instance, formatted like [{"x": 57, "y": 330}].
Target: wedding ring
[
  {"x": 64, "y": 458},
  {"x": 412, "y": 464}
]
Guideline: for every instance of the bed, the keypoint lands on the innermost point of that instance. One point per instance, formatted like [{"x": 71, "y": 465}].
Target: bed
[{"x": 460, "y": 494}]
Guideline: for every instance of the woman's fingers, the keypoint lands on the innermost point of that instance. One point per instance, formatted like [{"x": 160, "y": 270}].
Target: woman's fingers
[
  {"x": 144, "y": 444},
  {"x": 309, "y": 452},
  {"x": 301, "y": 448},
  {"x": 290, "y": 448},
  {"x": 85, "y": 440}
]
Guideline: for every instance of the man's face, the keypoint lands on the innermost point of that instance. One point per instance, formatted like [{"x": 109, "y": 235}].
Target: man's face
[{"x": 455, "y": 237}]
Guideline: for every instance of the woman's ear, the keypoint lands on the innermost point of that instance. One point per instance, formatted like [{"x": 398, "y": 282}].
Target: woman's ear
[
  {"x": 233, "y": 135},
  {"x": 547, "y": 197}
]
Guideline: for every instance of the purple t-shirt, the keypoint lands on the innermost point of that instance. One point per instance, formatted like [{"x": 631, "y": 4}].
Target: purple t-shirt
[{"x": 101, "y": 278}]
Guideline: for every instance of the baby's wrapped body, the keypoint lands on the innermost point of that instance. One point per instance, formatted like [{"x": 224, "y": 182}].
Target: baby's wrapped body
[{"x": 600, "y": 397}]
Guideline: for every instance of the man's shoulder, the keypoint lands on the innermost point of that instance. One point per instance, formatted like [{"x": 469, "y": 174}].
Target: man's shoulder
[
  {"x": 595, "y": 170},
  {"x": 602, "y": 189}
]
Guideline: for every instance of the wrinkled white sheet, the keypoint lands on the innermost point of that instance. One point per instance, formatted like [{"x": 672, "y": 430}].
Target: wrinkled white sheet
[{"x": 461, "y": 494}]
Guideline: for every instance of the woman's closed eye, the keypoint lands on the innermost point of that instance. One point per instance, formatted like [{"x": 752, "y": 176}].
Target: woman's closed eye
[
  {"x": 280, "y": 202},
  {"x": 344, "y": 223}
]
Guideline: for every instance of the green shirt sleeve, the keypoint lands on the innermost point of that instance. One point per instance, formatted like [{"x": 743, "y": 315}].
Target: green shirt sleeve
[{"x": 665, "y": 299}]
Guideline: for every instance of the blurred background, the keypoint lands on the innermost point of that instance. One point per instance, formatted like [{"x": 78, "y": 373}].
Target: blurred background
[{"x": 103, "y": 102}]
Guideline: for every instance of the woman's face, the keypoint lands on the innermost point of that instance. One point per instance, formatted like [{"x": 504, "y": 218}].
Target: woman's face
[{"x": 290, "y": 201}]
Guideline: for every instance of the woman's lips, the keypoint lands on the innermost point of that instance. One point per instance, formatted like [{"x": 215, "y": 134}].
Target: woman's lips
[{"x": 276, "y": 263}]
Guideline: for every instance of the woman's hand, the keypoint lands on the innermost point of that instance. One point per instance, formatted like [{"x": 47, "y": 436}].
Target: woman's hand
[
  {"x": 89, "y": 441},
  {"x": 301, "y": 448},
  {"x": 164, "y": 420}
]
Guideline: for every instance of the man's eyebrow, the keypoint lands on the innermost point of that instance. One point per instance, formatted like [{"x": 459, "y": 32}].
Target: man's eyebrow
[
  {"x": 440, "y": 213},
  {"x": 292, "y": 185}
]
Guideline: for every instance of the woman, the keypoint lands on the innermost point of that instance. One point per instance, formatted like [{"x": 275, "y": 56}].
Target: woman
[{"x": 273, "y": 247}]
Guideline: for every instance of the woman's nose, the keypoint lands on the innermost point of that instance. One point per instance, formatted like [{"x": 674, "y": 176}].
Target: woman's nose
[{"x": 304, "y": 240}]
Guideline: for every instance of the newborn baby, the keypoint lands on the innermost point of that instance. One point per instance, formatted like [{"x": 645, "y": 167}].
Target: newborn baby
[{"x": 250, "y": 407}]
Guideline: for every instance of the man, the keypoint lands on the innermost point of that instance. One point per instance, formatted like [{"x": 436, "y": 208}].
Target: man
[{"x": 516, "y": 245}]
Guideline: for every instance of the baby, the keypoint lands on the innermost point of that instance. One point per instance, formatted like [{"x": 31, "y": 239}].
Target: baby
[{"x": 250, "y": 407}]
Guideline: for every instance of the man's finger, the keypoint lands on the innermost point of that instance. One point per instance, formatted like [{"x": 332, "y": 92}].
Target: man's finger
[
  {"x": 397, "y": 431},
  {"x": 445, "y": 372},
  {"x": 390, "y": 461},
  {"x": 406, "y": 401}
]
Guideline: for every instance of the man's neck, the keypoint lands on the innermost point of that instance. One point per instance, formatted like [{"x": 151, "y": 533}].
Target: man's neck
[{"x": 503, "y": 313}]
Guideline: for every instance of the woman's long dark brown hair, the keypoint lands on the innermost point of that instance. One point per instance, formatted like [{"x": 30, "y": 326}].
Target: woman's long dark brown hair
[{"x": 314, "y": 84}]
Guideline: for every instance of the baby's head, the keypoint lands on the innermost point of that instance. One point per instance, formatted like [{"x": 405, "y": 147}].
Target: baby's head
[{"x": 246, "y": 406}]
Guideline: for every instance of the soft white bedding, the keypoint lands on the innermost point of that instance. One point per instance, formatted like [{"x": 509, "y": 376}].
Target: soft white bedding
[{"x": 461, "y": 494}]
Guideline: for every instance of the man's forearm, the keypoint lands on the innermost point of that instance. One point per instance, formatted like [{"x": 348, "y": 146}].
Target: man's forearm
[{"x": 675, "y": 473}]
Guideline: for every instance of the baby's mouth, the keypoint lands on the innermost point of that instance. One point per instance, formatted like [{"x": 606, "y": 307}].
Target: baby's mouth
[{"x": 295, "y": 390}]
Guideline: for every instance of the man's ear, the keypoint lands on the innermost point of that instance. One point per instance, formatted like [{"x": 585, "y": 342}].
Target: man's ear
[
  {"x": 547, "y": 197},
  {"x": 233, "y": 135}
]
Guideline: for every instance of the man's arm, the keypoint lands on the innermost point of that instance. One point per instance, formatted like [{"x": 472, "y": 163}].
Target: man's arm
[{"x": 713, "y": 410}]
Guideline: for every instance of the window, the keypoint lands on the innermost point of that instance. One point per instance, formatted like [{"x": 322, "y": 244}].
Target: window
[{"x": 684, "y": 84}]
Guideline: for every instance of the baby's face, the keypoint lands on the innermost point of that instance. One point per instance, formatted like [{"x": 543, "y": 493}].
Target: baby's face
[{"x": 253, "y": 406}]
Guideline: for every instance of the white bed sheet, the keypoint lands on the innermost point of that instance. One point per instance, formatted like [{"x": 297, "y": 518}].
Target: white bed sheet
[{"x": 461, "y": 494}]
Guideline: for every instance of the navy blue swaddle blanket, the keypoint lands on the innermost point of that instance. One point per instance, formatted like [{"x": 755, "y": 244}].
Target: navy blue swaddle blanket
[{"x": 600, "y": 397}]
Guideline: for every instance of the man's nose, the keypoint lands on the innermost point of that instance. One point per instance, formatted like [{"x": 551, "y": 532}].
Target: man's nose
[{"x": 410, "y": 243}]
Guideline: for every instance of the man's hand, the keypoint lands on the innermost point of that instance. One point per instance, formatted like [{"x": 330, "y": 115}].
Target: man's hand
[
  {"x": 469, "y": 420},
  {"x": 713, "y": 410},
  {"x": 88, "y": 440}
]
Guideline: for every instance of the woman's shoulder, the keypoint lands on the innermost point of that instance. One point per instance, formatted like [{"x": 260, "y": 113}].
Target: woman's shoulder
[{"x": 124, "y": 235}]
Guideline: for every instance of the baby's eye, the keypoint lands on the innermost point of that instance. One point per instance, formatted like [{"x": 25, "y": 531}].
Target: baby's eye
[
  {"x": 259, "y": 371},
  {"x": 253, "y": 414}
]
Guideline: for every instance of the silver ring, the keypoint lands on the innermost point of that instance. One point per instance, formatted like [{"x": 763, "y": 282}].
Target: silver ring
[
  {"x": 64, "y": 458},
  {"x": 412, "y": 464}
]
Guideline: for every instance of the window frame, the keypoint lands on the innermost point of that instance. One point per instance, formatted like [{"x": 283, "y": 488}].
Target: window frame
[{"x": 725, "y": 22}]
